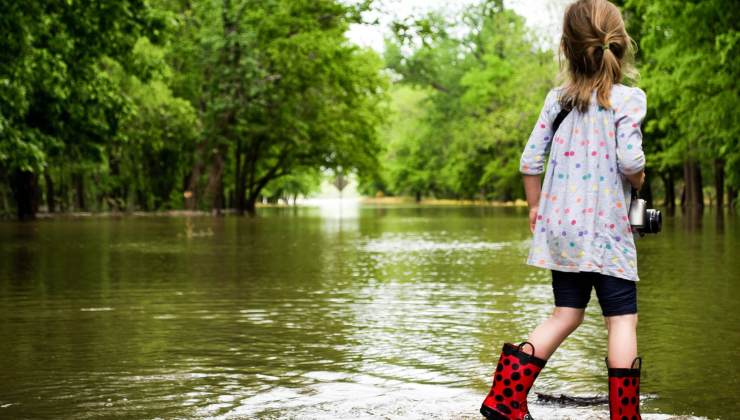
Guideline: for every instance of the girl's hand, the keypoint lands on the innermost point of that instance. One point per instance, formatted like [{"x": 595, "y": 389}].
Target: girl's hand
[
  {"x": 532, "y": 218},
  {"x": 637, "y": 180}
]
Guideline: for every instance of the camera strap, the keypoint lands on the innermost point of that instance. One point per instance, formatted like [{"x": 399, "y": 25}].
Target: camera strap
[{"x": 559, "y": 119}]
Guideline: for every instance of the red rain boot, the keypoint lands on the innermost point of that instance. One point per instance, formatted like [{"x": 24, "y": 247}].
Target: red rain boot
[
  {"x": 514, "y": 376},
  {"x": 624, "y": 391}
]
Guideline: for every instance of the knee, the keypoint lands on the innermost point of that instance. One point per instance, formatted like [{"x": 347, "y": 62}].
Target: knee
[
  {"x": 570, "y": 318},
  {"x": 628, "y": 321}
]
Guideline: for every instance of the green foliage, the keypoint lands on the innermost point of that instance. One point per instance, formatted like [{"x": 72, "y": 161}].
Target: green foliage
[
  {"x": 174, "y": 103},
  {"x": 290, "y": 186},
  {"x": 691, "y": 74},
  {"x": 56, "y": 100},
  {"x": 477, "y": 97},
  {"x": 690, "y": 66},
  {"x": 482, "y": 91},
  {"x": 131, "y": 103},
  {"x": 279, "y": 89}
]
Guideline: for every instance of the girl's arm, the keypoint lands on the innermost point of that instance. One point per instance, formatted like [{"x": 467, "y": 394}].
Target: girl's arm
[
  {"x": 532, "y": 188},
  {"x": 532, "y": 162},
  {"x": 630, "y": 157}
]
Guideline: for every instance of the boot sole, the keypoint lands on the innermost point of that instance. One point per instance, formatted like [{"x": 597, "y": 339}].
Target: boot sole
[{"x": 492, "y": 414}]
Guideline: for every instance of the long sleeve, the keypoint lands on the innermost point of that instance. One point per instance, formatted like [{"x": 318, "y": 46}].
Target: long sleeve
[
  {"x": 534, "y": 155},
  {"x": 628, "y": 118}
]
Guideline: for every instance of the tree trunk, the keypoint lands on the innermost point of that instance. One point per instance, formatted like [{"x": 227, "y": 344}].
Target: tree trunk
[
  {"x": 251, "y": 205},
  {"x": 79, "y": 182},
  {"x": 719, "y": 182},
  {"x": 670, "y": 192},
  {"x": 141, "y": 199},
  {"x": 694, "y": 200},
  {"x": 254, "y": 191},
  {"x": 63, "y": 192},
  {"x": 24, "y": 185},
  {"x": 222, "y": 204},
  {"x": 688, "y": 188},
  {"x": 117, "y": 195},
  {"x": 192, "y": 191},
  {"x": 698, "y": 188},
  {"x": 731, "y": 200},
  {"x": 50, "y": 204},
  {"x": 241, "y": 179},
  {"x": 417, "y": 196},
  {"x": 249, "y": 177},
  {"x": 214, "y": 188},
  {"x": 719, "y": 187},
  {"x": 694, "y": 197}
]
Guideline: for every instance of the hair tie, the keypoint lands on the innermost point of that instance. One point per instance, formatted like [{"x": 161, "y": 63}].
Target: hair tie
[{"x": 605, "y": 47}]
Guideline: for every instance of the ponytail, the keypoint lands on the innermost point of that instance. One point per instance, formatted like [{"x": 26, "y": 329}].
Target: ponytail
[{"x": 597, "y": 48}]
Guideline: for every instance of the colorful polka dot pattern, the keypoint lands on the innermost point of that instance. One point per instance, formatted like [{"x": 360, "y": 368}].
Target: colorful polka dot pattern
[{"x": 582, "y": 222}]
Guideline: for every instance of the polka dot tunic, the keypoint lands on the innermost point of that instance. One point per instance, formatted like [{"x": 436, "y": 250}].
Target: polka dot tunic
[{"x": 582, "y": 222}]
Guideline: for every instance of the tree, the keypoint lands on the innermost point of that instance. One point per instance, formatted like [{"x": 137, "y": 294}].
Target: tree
[
  {"x": 57, "y": 103},
  {"x": 291, "y": 186},
  {"x": 691, "y": 68},
  {"x": 484, "y": 91},
  {"x": 279, "y": 90},
  {"x": 152, "y": 154}
]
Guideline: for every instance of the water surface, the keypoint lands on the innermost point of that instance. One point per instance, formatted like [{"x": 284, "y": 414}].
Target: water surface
[{"x": 358, "y": 312}]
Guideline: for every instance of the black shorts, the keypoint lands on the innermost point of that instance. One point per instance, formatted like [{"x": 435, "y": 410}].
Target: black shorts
[{"x": 573, "y": 290}]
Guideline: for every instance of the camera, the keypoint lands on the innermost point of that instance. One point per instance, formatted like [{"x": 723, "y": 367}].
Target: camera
[{"x": 643, "y": 219}]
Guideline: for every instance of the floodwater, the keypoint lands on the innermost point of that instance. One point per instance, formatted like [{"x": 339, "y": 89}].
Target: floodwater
[{"x": 352, "y": 312}]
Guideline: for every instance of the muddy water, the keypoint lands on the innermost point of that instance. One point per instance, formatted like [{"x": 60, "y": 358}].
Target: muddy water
[{"x": 363, "y": 312}]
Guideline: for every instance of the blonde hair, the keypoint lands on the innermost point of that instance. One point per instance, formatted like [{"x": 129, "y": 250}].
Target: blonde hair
[{"x": 598, "y": 50}]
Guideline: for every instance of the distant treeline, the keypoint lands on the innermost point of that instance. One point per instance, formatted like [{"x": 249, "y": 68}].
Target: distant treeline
[
  {"x": 214, "y": 104},
  {"x": 465, "y": 105}
]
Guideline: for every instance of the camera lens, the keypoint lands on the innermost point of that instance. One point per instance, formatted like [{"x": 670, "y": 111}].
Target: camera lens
[{"x": 654, "y": 221}]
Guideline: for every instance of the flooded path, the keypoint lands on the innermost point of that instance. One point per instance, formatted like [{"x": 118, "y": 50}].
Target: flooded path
[{"x": 395, "y": 312}]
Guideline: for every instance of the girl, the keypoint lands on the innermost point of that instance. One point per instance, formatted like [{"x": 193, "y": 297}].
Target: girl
[{"x": 579, "y": 216}]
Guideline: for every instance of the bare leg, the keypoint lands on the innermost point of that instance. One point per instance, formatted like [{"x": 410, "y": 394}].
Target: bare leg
[
  {"x": 622, "y": 340},
  {"x": 548, "y": 335}
]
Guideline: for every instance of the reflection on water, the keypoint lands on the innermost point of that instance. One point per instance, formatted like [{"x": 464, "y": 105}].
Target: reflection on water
[{"x": 351, "y": 312}]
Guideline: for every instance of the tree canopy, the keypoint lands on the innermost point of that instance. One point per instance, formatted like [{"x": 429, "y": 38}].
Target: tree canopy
[
  {"x": 466, "y": 103},
  {"x": 174, "y": 104},
  {"x": 216, "y": 104}
]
